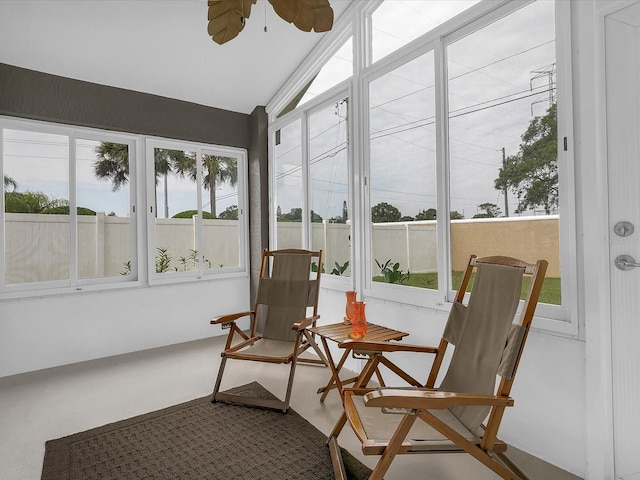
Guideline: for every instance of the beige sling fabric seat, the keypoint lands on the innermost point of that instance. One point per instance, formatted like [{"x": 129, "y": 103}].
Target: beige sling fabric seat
[
  {"x": 488, "y": 344},
  {"x": 287, "y": 290}
]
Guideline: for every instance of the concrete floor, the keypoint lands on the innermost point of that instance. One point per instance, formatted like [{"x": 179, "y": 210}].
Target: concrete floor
[{"x": 47, "y": 404}]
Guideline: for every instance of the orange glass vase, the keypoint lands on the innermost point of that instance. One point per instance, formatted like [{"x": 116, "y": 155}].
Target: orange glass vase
[
  {"x": 351, "y": 298},
  {"x": 359, "y": 322}
]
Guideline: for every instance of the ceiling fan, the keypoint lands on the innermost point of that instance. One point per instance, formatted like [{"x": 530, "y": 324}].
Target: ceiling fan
[{"x": 227, "y": 17}]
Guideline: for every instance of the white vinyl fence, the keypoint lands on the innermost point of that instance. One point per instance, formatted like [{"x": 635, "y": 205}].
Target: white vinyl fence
[{"x": 38, "y": 246}]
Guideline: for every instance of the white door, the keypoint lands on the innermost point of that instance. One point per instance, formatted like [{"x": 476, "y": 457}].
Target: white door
[{"x": 622, "y": 55}]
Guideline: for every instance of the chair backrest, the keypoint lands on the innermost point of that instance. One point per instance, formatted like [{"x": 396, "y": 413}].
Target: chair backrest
[
  {"x": 286, "y": 290},
  {"x": 487, "y": 341}
]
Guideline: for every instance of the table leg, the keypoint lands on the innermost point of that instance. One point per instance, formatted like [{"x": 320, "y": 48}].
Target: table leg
[
  {"x": 312, "y": 341},
  {"x": 334, "y": 381}
]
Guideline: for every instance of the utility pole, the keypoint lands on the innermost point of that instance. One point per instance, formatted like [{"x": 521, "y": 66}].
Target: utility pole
[{"x": 506, "y": 199}]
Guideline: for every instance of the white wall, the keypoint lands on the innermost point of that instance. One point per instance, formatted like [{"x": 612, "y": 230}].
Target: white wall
[{"x": 37, "y": 333}]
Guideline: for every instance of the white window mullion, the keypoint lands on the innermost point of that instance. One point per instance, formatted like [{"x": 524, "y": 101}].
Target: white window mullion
[
  {"x": 150, "y": 210},
  {"x": 73, "y": 214},
  {"x": 199, "y": 233},
  {"x": 2, "y": 215},
  {"x": 305, "y": 183},
  {"x": 357, "y": 131},
  {"x": 363, "y": 189},
  {"x": 442, "y": 172},
  {"x": 566, "y": 170},
  {"x": 136, "y": 183}
]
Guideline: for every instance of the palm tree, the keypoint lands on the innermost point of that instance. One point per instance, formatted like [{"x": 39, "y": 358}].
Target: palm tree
[
  {"x": 165, "y": 162},
  {"x": 216, "y": 169},
  {"x": 113, "y": 163},
  {"x": 9, "y": 182}
]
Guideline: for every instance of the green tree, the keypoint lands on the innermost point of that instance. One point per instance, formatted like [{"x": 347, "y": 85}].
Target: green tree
[
  {"x": 341, "y": 218},
  {"x": 384, "y": 212},
  {"x": 191, "y": 213},
  {"x": 230, "y": 213},
  {"x": 429, "y": 214},
  {"x": 532, "y": 174},
  {"x": 455, "y": 215},
  {"x": 295, "y": 215},
  {"x": 491, "y": 210},
  {"x": 38, "y": 202}
]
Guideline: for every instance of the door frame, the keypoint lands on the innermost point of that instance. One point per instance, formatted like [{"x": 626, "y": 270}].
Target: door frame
[{"x": 596, "y": 303}]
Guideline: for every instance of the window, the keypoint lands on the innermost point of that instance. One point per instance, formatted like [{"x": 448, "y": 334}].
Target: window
[
  {"x": 441, "y": 129},
  {"x": 196, "y": 210},
  {"x": 338, "y": 68},
  {"x": 314, "y": 213},
  {"x": 104, "y": 199},
  {"x": 329, "y": 186},
  {"x": 396, "y": 23},
  {"x": 402, "y": 176},
  {"x": 68, "y": 208},
  {"x": 288, "y": 185},
  {"x": 503, "y": 142}
]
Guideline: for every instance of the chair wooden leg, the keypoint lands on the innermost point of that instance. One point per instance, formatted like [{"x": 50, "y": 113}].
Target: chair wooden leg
[
  {"x": 337, "y": 428},
  {"x": 483, "y": 457},
  {"x": 219, "y": 379},
  {"x": 287, "y": 397},
  {"x": 216, "y": 388},
  {"x": 339, "y": 472},
  {"x": 393, "y": 446},
  {"x": 504, "y": 459}
]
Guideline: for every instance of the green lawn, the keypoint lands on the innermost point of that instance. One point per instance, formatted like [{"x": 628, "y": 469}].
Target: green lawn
[{"x": 550, "y": 288}]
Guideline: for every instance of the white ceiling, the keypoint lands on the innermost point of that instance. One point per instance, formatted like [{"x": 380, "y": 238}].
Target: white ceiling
[{"x": 159, "y": 47}]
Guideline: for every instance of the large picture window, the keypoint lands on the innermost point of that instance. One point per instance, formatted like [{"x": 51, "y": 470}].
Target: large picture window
[
  {"x": 329, "y": 186},
  {"x": 70, "y": 209},
  {"x": 312, "y": 187},
  {"x": 457, "y": 123},
  {"x": 402, "y": 185},
  {"x": 503, "y": 142},
  {"x": 196, "y": 208},
  {"x": 68, "y": 215}
]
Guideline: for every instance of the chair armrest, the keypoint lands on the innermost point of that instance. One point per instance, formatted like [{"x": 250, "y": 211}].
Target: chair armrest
[
  {"x": 430, "y": 399},
  {"x": 231, "y": 317},
  {"x": 304, "y": 323},
  {"x": 368, "y": 346}
]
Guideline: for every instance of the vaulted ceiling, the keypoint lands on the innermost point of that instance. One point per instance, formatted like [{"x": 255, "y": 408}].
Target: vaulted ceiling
[{"x": 157, "y": 47}]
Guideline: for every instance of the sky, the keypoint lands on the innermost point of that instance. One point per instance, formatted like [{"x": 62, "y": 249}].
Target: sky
[
  {"x": 499, "y": 78},
  {"x": 38, "y": 162},
  {"x": 493, "y": 94}
]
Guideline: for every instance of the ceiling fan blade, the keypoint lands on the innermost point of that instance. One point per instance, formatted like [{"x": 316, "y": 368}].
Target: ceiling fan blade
[
  {"x": 307, "y": 15},
  {"x": 226, "y": 18}
]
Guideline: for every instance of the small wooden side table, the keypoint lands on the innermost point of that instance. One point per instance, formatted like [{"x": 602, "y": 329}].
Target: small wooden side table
[{"x": 339, "y": 332}]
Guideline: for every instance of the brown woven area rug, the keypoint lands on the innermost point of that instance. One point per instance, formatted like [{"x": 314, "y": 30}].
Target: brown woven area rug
[{"x": 199, "y": 440}]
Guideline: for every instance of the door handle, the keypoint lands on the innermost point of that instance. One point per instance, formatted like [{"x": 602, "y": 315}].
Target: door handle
[{"x": 626, "y": 262}]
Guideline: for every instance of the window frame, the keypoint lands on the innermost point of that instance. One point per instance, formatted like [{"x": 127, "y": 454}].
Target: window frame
[
  {"x": 73, "y": 283},
  {"x": 555, "y": 319},
  {"x": 390, "y": 292},
  {"x": 561, "y": 318},
  {"x": 199, "y": 273},
  {"x": 141, "y": 249},
  {"x": 303, "y": 114}
]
